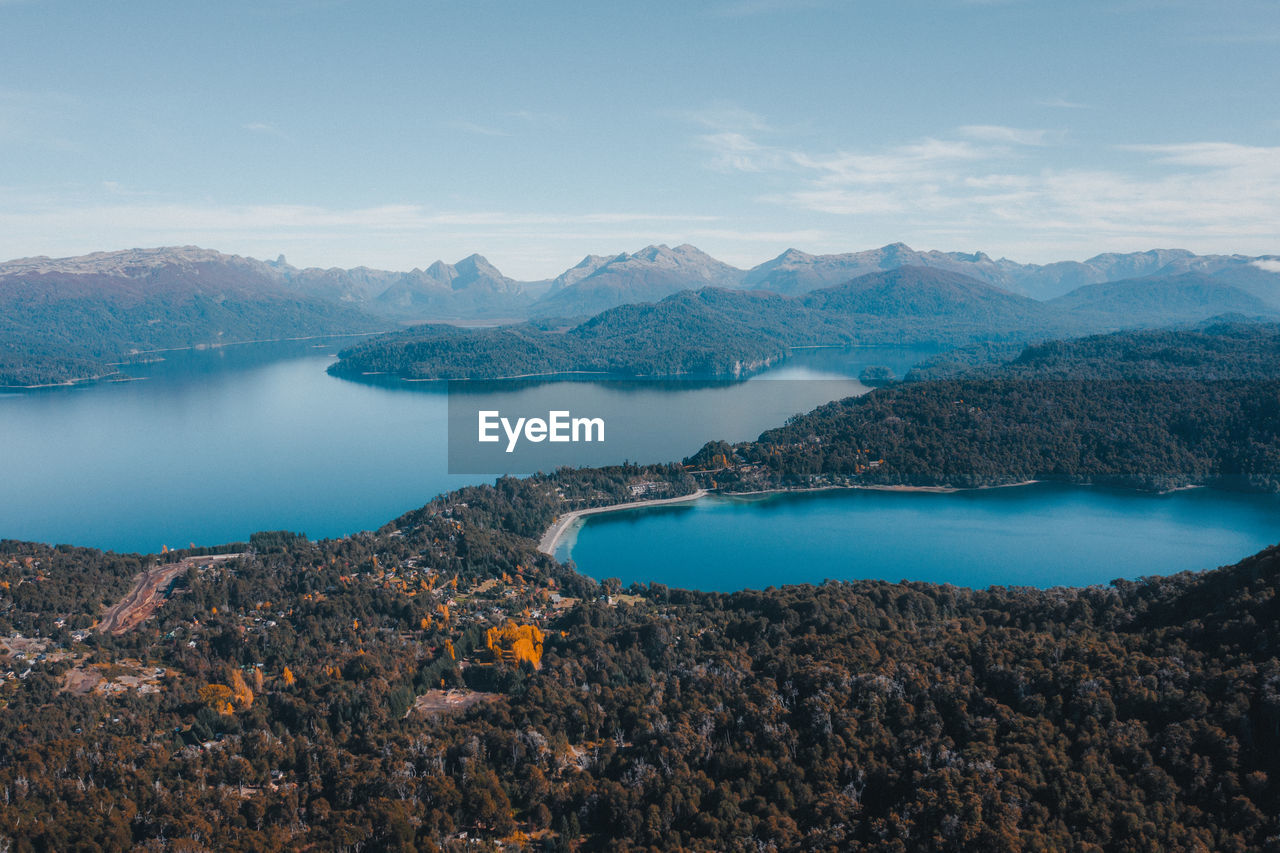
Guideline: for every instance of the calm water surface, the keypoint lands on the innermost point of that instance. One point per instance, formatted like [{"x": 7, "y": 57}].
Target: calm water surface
[
  {"x": 1042, "y": 535},
  {"x": 210, "y": 446}
]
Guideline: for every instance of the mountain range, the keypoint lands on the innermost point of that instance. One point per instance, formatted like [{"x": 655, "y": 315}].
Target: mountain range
[
  {"x": 473, "y": 289},
  {"x": 725, "y": 332},
  {"x": 598, "y": 282},
  {"x": 74, "y": 318},
  {"x": 67, "y": 318}
]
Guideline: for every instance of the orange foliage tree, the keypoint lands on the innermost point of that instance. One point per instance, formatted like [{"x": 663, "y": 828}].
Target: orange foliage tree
[{"x": 516, "y": 643}]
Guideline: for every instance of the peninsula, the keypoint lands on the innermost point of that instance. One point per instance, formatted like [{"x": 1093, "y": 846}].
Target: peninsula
[{"x": 551, "y": 538}]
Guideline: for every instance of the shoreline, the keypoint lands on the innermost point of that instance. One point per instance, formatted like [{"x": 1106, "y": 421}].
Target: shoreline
[
  {"x": 496, "y": 378},
  {"x": 221, "y": 344},
  {"x": 553, "y": 534},
  {"x": 556, "y": 532},
  {"x": 551, "y": 537},
  {"x": 933, "y": 490},
  {"x": 86, "y": 380}
]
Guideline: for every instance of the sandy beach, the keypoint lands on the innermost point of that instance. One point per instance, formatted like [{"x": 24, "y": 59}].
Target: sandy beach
[{"x": 547, "y": 544}]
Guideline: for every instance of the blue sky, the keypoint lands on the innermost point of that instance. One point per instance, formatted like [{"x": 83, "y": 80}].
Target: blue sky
[{"x": 390, "y": 134}]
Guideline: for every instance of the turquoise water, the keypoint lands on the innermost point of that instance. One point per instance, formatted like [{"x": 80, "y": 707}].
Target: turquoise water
[
  {"x": 1042, "y": 535},
  {"x": 210, "y": 446}
]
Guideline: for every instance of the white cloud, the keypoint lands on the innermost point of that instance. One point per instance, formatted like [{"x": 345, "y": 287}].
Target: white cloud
[
  {"x": 999, "y": 133},
  {"x": 265, "y": 128},
  {"x": 736, "y": 152},
  {"x": 1214, "y": 155},
  {"x": 533, "y": 117},
  {"x": 528, "y": 244},
  {"x": 1063, "y": 104},
  {"x": 1268, "y": 264},
  {"x": 920, "y": 161},
  {"x": 478, "y": 129},
  {"x": 726, "y": 117},
  {"x": 995, "y": 186}
]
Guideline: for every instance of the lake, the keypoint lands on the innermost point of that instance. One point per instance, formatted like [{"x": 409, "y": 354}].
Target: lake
[
  {"x": 210, "y": 446},
  {"x": 1039, "y": 535}
]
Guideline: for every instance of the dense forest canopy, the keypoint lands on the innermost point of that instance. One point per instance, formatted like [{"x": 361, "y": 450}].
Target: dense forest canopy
[
  {"x": 1219, "y": 349},
  {"x": 848, "y": 715},
  {"x": 1147, "y": 409}
]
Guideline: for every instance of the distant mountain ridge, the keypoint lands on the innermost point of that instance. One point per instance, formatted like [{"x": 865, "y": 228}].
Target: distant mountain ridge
[
  {"x": 70, "y": 319},
  {"x": 599, "y": 282},
  {"x": 796, "y": 272},
  {"x": 473, "y": 289},
  {"x": 65, "y": 317},
  {"x": 646, "y": 276},
  {"x": 725, "y": 332}
]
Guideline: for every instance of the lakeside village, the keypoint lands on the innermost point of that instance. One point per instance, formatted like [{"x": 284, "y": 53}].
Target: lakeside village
[
  {"x": 478, "y": 622},
  {"x": 508, "y": 610}
]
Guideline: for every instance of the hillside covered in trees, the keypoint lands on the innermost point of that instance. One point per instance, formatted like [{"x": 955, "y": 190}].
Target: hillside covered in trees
[
  {"x": 1219, "y": 348},
  {"x": 717, "y": 332},
  {"x": 1156, "y": 410},
  {"x": 298, "y": 695},
  {"x": 76, "y": 319},
  {"x": 731, "y": 332}
]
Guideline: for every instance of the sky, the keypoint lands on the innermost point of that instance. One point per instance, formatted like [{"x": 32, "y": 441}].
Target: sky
[{"x": 391, "y": 134}]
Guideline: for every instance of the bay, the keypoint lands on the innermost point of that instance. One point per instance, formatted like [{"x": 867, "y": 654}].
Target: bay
[{"x": 1040, "y": 535}]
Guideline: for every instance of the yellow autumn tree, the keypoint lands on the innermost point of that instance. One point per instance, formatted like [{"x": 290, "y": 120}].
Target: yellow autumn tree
[
  {"x": 240, "y": 691},
  {"x": 287, "y": 677},
  {"x": 516, "y": 644},
  {"x": 217, "y": 697}
]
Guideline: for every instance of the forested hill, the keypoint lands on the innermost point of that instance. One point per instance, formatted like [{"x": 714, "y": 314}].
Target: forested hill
[
  {"x": 1151, "y": 410},
  {"x": 1222, "y": 348},
  {"x": 964, "y": 433},
  {"x": 727, "y": 332},
  {"x": 1181, "y": 298},
  {"x": 930, "y": 294},
  {"x": 714, "y": 331},
  {"x": 293, "y": 697},
  {"x": 62, "y": 321},
  {"x": 710, "y": 331}
]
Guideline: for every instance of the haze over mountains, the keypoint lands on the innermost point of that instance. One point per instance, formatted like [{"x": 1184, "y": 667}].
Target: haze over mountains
[
  {"x": 598, "y": 283},
  {"x": 474, "y": 289},
  {"x": 70, "y": 319},
  {"x": 726, "y": 332},
  {"x": 65, "y": 318}
]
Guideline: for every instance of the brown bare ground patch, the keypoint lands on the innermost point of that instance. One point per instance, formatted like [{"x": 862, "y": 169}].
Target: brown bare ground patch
[
  {"x": 148, "y": 593},
  {"x": 440, "y": 702},
  {"x": 80, "y": 682}
]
